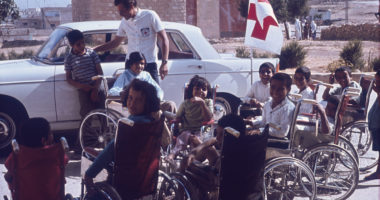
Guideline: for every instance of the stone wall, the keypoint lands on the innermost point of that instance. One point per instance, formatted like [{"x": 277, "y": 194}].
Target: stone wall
[
  {"x": 206, "y": 14},
  {"x": 90, "y": 10}
]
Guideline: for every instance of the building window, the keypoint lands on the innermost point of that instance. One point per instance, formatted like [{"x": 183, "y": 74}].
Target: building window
[{"x": 25, "y": 24}]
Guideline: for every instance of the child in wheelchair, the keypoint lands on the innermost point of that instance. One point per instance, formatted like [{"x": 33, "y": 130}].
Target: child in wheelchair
[
  {"x": 142, "y": 102},
  {"x": 326, "y": 125},
  {"x": 259, "y": 92},
  {"x": 343, "y": 76},
  {"x": 234, "y": 161},
  {"x": 36, "y": 168},
  {"x": 278, "y": 111},
  {"x": 196, "y": 109},
  {"x": 302, "y": 80}
]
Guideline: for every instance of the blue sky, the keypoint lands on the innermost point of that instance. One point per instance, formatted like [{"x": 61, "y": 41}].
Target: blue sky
[{"x": 23, "y": 4}]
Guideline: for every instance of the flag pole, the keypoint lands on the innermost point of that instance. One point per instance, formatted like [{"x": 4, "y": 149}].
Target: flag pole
[{"x": 251, "y": 57}]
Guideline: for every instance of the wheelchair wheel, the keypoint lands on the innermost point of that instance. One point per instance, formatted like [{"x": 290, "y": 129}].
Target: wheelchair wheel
[
  {"x": 170, "y": 188},
  {"x": 335, "y": 170},
  {"x": 288, "y": 178},
  {"x": 104, "y": 191},
  {"x": 358, "y": 134},
  {"x": 98, "y": 128},
  {"x": 347, "y": 145}
]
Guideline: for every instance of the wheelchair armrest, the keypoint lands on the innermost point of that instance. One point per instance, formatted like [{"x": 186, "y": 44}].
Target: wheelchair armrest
[
  {"x": 91, "y": 152},
  {"x": 211, "y": 122},
  {"x": 64, "y": 144},
  {"x": 281, "y": 143}
]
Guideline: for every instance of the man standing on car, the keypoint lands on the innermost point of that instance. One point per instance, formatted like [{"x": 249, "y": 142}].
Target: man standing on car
[{"x": 141, "y": 27}]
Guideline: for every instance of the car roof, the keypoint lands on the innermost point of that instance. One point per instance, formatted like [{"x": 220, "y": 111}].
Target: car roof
[
  {"x": 193, "y": 33},
  {"x": 86, "y": 26}
]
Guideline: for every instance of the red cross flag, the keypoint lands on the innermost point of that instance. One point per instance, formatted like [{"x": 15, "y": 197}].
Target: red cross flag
[{"x": 263, "y": 30}]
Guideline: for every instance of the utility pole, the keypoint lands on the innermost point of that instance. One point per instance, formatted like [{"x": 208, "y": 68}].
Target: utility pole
[{"x": 346, "y": 11}]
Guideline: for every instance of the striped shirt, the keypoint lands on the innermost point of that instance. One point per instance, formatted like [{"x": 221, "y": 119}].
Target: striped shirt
[{"x": 82, "y": 67}]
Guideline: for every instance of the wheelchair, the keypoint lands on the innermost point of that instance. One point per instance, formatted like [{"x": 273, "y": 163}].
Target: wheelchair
[
  {"x": 33, "y": 180},
  {"x": 98, "y": 127},
  {"x": 335, "y": 169},
  {"x": 357, "y": 131},
  {"x": 239, "y": 173},
  {"x": 134, "y": 174}
]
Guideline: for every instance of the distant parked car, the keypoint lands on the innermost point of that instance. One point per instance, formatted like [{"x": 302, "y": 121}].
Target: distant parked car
[{"x": 37, "y": 87}]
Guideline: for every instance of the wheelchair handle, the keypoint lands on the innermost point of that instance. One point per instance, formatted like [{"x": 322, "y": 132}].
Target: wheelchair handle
[
  {"x": 15, "y": 146},
  {"x": 232, "y": 131},
  {"x": 64, "y": 143},
  {"x": 322, "y": 83},
  {"x": 274, "y": 126},
  {"x": 352, "y": 94},
  {"x": 294, "y": 95},
  {"x": 352, "y": 89},
  {"x": 169, "y": 115},
  {"x": 126, "y": 121},
  {"x": 310, "y": 101}
]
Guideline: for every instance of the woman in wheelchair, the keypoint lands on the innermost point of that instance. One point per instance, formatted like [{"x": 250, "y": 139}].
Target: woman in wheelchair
[
  {"x": 36, "y": 138},
  {"x": 278, "y": 111},
  {"x": 196, "y": 109},
  {"x": 142, "y": 102}
]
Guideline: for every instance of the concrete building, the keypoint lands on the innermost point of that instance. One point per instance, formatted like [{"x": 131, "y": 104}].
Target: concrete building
[
  {"x": 216, "y": 18},
  {"x": 44, "y": 18}
]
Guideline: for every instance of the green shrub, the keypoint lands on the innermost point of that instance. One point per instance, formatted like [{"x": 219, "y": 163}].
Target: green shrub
[
  {"x": 292, "y": 56},
  {"x": 352, "y": 54},
  {"x": 3, "y": 56},
  {"x": 242, "y": 52},
  {"x": 336, "y": 64},
  {"x": 12, "y": 55},
  {"x": 375, "y": 64}
]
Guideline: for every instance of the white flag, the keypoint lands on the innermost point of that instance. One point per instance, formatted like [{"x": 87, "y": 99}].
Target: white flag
[{"x": 263, "y": 30}]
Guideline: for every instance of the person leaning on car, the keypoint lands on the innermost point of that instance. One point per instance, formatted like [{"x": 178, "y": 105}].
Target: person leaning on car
[
  {"x": 81, "y": 64},
  {"x": 141, "y": 27}
]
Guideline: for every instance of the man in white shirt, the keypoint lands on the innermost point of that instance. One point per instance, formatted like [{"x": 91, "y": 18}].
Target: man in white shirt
[{"x": 141, "y": 27}]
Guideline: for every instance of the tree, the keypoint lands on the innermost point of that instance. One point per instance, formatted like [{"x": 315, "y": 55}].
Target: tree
[{"x": 8, "y": 8}]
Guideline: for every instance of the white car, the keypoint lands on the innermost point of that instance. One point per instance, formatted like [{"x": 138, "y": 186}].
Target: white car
[{"x": 37, "y": 87}]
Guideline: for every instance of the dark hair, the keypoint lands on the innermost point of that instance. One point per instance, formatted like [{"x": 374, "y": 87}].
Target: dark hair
[
  {"x": 378, "y": 73},
  {"x": 152, "y": 102},
  {"x": 305, "y": 71},
  {"x": 33, "y": 130},
  {"x": 343, "y": 69},
  {"x": 134, "y": 57},
  {"x": 198, "y": 81},
  {"x": 126, "y": 3},
  {"x": 267, "y": 65},
  {"x": 233, "y": 121},
  {"x": 283, "y": 77},
  {"x": 74, "y": 35},
  {"x": 334, "y": 100}
]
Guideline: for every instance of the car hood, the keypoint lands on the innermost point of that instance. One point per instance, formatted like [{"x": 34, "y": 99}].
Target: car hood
[{"x": 26, "y": 70}]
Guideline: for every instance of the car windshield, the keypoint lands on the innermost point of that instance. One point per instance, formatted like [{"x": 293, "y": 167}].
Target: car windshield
[{"x": 49, "y": 48}]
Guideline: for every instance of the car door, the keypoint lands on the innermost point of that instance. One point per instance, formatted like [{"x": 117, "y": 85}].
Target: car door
[
  {"x": 67, "y": 101},
  {"x": 183, "y": 64}
]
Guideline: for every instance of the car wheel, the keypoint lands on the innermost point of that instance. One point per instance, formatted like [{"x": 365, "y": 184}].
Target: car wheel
[
  {"x": 221, "y": 107},
  {"x": 7, "y": 129}
]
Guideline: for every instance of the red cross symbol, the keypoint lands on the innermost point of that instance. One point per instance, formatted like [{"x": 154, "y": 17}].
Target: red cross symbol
[{"x": 258, "y": 31}]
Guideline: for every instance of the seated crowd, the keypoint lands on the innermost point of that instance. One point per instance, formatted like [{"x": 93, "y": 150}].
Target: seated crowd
[{"x": 143, "y": 96}]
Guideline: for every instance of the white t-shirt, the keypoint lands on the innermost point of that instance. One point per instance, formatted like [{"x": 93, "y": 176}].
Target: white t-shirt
[
  {"x": 307, "y": 93},
  {"x": 281, "y": 116},
  {"x": 259, "y": 91},
  {"x": 141, "y": 32}
]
